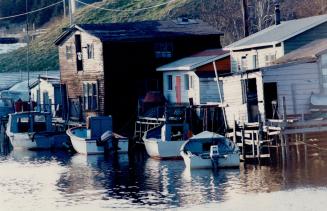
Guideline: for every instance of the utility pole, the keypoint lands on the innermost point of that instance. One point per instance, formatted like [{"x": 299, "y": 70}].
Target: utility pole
[
  {"x": 64, "y": 4},
  {"x": 71, "y": 19},
  {"x": 245, "y": 17}
]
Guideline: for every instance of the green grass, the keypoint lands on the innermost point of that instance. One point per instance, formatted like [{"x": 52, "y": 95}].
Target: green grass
[{"x": 43, "y": 54}]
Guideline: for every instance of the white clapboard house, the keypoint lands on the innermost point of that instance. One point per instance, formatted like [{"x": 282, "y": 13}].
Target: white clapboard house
[
  {"x": 46, "y": 92},
  {"x": 261, "y": 49},
  {"x": 192, "y": 79},
  {"x": 299, "y": 77}
]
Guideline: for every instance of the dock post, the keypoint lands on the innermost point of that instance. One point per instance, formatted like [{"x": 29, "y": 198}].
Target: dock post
[
  {"x": 234, "y": 132},
  {"x": 253, "y": 145},
  {"x": 303, "y": 134},
  {"x": 243, "y": 142},
  {"x": 284, "y": 111}
]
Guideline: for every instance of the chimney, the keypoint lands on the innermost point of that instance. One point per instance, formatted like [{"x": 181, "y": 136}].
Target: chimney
[{"x": 277, "y": 14}]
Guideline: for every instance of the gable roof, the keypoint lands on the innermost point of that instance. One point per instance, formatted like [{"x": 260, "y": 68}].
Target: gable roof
[
  {"x": 50, "y": 79},
  {"x": 278, "y": 33},
  {"x": 308, "y": 52},
  {"x": 142, "y": 30},
  {"x": 195, "y": 61}
]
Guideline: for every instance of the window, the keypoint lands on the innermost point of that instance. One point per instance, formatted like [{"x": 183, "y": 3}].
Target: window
[
  {"x": 90, "y": 96},
  {"x": 187, "y": 82},
  {"x": 40, "y": 123},
  {"x": 23, "y": 124},
  {"x": 244, "y": 63},
  {"x": 90, "y": 51},
  {"x": 69, "y": 52},
  {"x": 324, "y": 71},
  {"x": 163, "y": 50},
  {"x": 170, "y": 82}
]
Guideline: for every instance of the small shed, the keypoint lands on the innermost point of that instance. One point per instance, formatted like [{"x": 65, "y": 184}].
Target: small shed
[
  {"x": 46, "y": 92},
  {"x": 192, "y": 79},
  {"x": 299, "y": 77}
]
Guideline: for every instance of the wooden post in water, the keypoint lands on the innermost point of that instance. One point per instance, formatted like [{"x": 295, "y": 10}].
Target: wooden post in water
[
  {"x": 285, "y": 121},
  {"x": 234, "y": 132},
  {"x": 259, "y": 139},
  {"x": 303, "y": 134},
  {"x": 253, "y": 145},
  {"x": 284, "y": 112},
  {"x": 243, "y": 142}
]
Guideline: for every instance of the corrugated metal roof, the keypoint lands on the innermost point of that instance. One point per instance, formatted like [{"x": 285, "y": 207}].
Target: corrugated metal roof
[
  {"x": 278, "y": 33},
  {"x": 142, "y": 30},
  {"x": 195, "y": 61},
  {"x": 307, "y": 52}
]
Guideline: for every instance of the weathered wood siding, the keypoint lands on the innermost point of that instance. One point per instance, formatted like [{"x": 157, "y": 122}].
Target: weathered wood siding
[
  {"x": 93, "y": 70},
  {"x": 306, "y": 37},
  {"x": 233, "y": 97},
  {"x": 209, "y": 90},
  {"x": 296, "y": 82}
]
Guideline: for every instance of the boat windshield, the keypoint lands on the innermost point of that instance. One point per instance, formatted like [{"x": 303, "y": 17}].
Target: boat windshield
[
  {"x": 39, "y": 123},
  {"x": 23, "y": 123}
]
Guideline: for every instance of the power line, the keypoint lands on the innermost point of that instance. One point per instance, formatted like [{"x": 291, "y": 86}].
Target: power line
[
  {"x": 126, "y": 10},
  {"x": 31, "y": 12}
]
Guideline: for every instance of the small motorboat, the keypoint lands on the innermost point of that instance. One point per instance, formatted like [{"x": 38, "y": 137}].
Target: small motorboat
[
  {"x": 210, "y": 150},
  {"x": 97, "y": 138},
  {"x": 34, "y": 130},
  {"x": 165, "y": 141}
]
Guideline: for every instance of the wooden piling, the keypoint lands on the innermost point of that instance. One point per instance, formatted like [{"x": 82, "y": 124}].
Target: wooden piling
[{"x": 243, "y": 142}]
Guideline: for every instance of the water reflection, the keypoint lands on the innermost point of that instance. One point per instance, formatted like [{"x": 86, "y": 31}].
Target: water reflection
[{"x": 35, "y": 179}]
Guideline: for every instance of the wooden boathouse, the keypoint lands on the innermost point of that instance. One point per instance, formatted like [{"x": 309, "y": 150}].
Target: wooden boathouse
[{"x": 107, "y": 67}]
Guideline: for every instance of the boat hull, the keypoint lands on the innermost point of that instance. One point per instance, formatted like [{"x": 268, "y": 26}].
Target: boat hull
[
  {"x": 27, "y": 141},
  {"x": 197, "y": 162},
  {"x": 87, "y": 147},
  {"x": 163, "y": 149},
  {"x": 90, "y": 146}
]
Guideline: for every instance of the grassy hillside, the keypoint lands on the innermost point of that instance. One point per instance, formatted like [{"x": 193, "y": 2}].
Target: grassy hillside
[
  {"x": 43, "y": 54},
  {"x": 225, "y": 15}
]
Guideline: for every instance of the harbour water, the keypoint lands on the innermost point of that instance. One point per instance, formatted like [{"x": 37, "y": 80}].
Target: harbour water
[{"x": 45, "y": 180}]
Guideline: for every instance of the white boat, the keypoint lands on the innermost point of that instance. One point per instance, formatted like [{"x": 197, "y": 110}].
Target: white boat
[
  {"x": 165, "y": 141},
  {"x": 34, "y": 130},
  {"x": 98, "y": 138},
  {"x": 210, "y": 150}
]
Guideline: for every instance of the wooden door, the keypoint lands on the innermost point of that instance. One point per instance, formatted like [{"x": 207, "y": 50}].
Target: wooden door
[{"x": 178, "y": 89}]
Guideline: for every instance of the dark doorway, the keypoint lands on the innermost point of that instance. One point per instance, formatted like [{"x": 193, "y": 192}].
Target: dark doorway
[
  {"x": 79, "y": 55},
  {"x": 271, "y": 102},
  {"x": 252, "y": 100}
]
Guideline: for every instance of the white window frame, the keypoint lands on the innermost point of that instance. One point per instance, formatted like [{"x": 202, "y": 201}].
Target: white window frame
[{"x": 90, "y": 99}]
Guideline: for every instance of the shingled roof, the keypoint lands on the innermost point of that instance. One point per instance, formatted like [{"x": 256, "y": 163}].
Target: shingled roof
[
  {"x": 111, "y": 32},
  {"x": 278, "y": 33}
]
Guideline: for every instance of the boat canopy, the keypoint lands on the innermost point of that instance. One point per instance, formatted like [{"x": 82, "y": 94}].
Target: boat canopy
[
  {"x": 24, "y": 122},
  {"x": 202, "y": 142}
]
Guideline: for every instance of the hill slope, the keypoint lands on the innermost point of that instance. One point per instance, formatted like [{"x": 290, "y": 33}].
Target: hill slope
[
  {"x": 43, "y": 54},
  {"x": 225, "y": 15}
]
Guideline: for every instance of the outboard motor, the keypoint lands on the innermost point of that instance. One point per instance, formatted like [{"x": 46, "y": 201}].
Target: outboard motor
[
  {"x": 214, "y": 155},
  {"x": 105, "y": 140}
]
